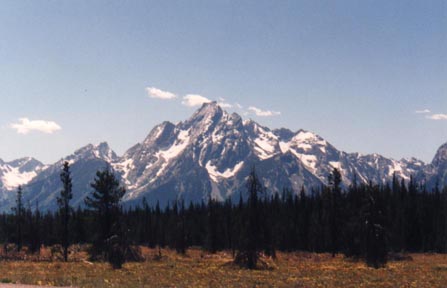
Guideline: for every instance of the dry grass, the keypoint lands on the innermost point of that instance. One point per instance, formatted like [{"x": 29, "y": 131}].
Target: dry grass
[{"x": 198, "y": 269}]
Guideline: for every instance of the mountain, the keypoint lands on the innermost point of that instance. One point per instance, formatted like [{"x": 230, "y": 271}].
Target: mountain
[
  {"x": 212, "y": 152},
  {"x": 17, "y": 172},
  {"x": 210, "y": 155},
  {"x": 436, "y": 172},
  {"x": 45, "y": 186}
]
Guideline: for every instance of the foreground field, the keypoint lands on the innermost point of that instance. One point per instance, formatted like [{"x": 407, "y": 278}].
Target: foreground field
[{"x": 198, "y": 269}]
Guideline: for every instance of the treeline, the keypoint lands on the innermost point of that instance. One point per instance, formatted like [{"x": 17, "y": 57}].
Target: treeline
[{"x": 366, "y": 221}]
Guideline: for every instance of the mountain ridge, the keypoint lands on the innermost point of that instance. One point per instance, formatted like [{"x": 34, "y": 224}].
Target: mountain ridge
[{"x": 211, "y": 153}]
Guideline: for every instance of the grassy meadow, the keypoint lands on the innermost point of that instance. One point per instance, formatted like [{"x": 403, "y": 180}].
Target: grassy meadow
[{"x": 199, "y": 269}]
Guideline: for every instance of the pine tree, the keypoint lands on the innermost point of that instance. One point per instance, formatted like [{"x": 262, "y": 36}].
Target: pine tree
[
  {"x": 249, "y": 247},
  {"x": 147, "y": 225},
  {"x": 19, "y": 214},
  {"x": 212, "y": 226},
  {"x": 179, "y": 232},
  {"x": 79, "y": 226},
  {"x": 63, "y": 202},
  {"x": 268, "y": 216},
  {"x": 230, "y": 226},
  {"x": 35, "y": 233},
  {"x": 413, "y": 217},
  {"x": 335, "y": 203},
  {"x": 158, "y": 231},
  {"x": 397, "y": 238},
  {"x": 353, "y": 231},
  {"x": 105, "y": 204},
  {"x": 303, "y": 225},
  {"x": 376, "y": 252}
]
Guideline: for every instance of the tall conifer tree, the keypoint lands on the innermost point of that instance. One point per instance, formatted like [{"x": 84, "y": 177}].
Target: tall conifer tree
[
  {"x": 63, "y": 202},
  {"x": 249, "y": 247},
  {"x": 334, "y": 182},
  {"x": 19, "y": 214},
  {"x": 105, "y": 203}
]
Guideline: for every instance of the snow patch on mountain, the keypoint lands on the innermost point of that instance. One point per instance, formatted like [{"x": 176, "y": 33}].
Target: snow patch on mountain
[
  {"x": 397, "y": 168},
  {"x": 173, "y": 151},
  {"x": 19, "y": 172},
  {"x": 307, "y": 140},
  {"x": 284, "y": 147},
  {"x": 125, "y": 167},
  {"x": 310, "y": 161},
  {"x": 12, "y": 178},
  {"x": 229, "y": 172}
]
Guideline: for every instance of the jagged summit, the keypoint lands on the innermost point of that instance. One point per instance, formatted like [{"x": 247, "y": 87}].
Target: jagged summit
[
  {"x": 208, "y": 110},
  {"x": 100, "y": 151},
  {"x": 25, "y": 164}
]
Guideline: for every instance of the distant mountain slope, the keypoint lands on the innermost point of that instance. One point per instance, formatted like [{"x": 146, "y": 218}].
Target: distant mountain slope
[
  {"x": 17, "y": 172},
  {"x": 210, "y": 155},
  {"x": 44, "y": 187},
  {"x": 435, "y": 173}
]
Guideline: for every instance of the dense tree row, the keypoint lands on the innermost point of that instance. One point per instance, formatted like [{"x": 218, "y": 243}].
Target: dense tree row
[{"x": 362, "y": 221}]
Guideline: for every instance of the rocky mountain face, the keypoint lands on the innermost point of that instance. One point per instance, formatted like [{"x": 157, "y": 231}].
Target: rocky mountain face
[
  {"x": 17, "y": 172},
  {"x": 435, "y": 173},
  {"x": 45, "y": 185},
  {"x": 210, "y": 155}
]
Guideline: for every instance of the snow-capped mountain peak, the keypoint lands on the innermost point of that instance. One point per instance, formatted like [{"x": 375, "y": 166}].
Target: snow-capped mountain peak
[
  {"x": 18, "y": 172},
  {"x": 210, "y": 155},
  {"x": 222, "y": 147}
]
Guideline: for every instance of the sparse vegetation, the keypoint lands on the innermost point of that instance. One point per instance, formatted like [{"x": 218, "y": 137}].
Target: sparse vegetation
[{"x": 200, "y": 269}]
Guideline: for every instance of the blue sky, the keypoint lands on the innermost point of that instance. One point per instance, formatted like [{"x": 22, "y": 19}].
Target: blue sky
[{"x": 354, "y": 72}]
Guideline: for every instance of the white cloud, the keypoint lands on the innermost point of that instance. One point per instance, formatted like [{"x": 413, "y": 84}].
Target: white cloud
[
  {"x": 239, "y": 106},
  {"x": 24, "y": 126},
  {"x": 437, "y": 117},
  {"x": 225, "y": 105},
  {"x": 263, "y": 113},
  {"x": 192, "y": 100},
  {"x": 159, "y": 94},
  {"x": 222, "y": 103},
  {"x": 424, "y": 111}
]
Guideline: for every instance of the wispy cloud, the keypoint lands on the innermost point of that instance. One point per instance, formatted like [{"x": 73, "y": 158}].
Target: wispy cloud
[
  {"x": 263, "y": 113},
  {"x": 192, "y": 100},
  {"x": 423, "y": 111},
  {"x": 222, "y": 103},
  {"x": 24, "y": 126},
  {"x": 239, "y": 106},
  {"x": 225, "y": 105},
  {"x": 429, "y": 115},
  {"x": 437, "y": 117},
  {"x": 160, "y": 94}
]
